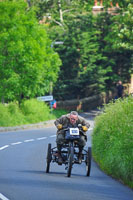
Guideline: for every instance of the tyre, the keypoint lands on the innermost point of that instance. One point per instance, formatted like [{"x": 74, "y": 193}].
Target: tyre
[
  {"x": 48, "y": 159},
  {"x": 70, "y": 161},
  {"x": 88, "y": 162}
]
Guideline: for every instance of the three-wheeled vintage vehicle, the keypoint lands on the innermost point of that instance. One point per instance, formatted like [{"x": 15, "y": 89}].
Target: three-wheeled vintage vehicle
[{"x": 69, "y": 152}]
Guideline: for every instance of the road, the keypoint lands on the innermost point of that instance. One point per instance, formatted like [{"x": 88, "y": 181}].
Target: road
[{"x": 23, "y": 177}]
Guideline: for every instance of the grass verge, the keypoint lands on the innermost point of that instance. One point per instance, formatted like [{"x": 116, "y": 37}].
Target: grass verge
[
  {"x": 112, "y": 140},
  {"x": 28, "y": 112}
]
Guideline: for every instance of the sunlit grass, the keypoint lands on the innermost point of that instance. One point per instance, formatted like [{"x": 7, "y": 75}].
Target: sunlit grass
[
  {"x": 112, "y": 140},
  {"x": 29, "y": 111}
]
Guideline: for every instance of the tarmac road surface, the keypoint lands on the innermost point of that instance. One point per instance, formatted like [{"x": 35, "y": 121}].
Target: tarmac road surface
[{"x": 23, "y": 177}]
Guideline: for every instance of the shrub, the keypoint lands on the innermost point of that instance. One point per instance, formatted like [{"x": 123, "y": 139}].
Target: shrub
[
  {"x": 5, "y": 118},
  {"x": 59, "y": 112},
  {"x": 16, "y": 116},
  {"x": 35, "y": 111},
  {"x": 112, "y": 138},
  {"x": 30, "y": 111}
]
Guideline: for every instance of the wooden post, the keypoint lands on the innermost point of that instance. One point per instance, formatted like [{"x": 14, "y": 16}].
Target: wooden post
[
  {"x": 117, "y": 5},
  {"x": 111, "y": 4}
]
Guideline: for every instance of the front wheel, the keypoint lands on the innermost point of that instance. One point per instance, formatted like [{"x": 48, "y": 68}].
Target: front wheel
[
  {"x": 88, "y": 162},
  {"x": 48, "y": 159},
  {"x": 70, "y": 160}
]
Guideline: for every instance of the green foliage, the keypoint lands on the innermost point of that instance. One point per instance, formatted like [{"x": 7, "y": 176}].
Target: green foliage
[
  {"x": 4, "y": 116},
  {"x": 93, "y": 71},
  {"x": 15, "y": 114},
  {"x": 112, "y": 140},
  {"x": 118, "y": 60},
  {"x": 27, "y": 62},
  {"x": 122, "y": 3},
  {"x": 28, "y": 112},
  {"x": 122, "y": 30},
  {"x": 85, "y": 64},
  {"x": 58, "y": 10},
  {"x": 58, "y": 113},
  {"x": 10, "y": 115},
  {"x": 93, "y": 55},
  {"x": 35, "y": 111},
  {"x": 96, "y": 52}
]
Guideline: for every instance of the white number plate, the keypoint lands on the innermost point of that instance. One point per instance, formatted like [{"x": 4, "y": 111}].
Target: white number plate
[{"x": 74, "y": 131}]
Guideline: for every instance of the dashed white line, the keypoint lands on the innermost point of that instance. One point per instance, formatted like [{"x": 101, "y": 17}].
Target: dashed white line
[
  {"x": 42, "y": 138},
  {"x": 53, "y": 136},
  {"x": 15, "y": 143},
  {"x": 2, "y": 197},
  {"x": 31, "y": 140},
  {"x": 4, "y": 147}
]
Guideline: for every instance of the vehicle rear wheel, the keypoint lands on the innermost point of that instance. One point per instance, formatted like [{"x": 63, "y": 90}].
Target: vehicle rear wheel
[
  {"x": 70, "y": 161},
  {"x": 88, "y": 162},
  {"x": 48, "y": 159}
]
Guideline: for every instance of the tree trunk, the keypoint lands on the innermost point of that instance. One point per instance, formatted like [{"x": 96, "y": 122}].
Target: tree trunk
[
  {"x": 2, "y": 100},
  {"x": 60, "y": 11}
]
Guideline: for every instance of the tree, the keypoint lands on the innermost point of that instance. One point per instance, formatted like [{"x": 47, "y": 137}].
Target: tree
[
  {"x": 123, "y": 29},
  {"x": 82, "y": 73},
  {"x": 97, "y": 50},
  {"x": 27, "y": 62},
  {"x": 58, "y": 10},
  {"x": 119, "y": 48}
]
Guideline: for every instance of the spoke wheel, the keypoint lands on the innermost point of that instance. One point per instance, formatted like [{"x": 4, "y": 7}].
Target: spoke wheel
[
  {"x": 88, "y": 162},
  {"x": 48, "y": 159}
]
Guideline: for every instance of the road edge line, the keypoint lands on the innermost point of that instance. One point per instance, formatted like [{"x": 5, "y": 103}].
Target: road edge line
[{"x": 2, "y": 197}]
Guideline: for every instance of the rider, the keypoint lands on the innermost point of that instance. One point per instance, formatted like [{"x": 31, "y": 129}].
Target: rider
[{"x": 70, "y": 120}]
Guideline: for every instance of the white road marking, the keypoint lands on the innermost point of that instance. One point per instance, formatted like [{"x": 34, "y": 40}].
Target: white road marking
[
  {"x": 53, "y": 136},
  {"x": 42, "y": 138},
  {"x": 2, "y": 197},
  {"x": 4, "y": 147},
  {"x": 15, "y": 143},
  {"x": 31, "y": 140}
]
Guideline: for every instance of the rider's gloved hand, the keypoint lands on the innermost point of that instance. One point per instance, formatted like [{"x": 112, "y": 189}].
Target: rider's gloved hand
[
  {"x": 84, "y": 128},
  {"x": 59, "y": 126}
]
